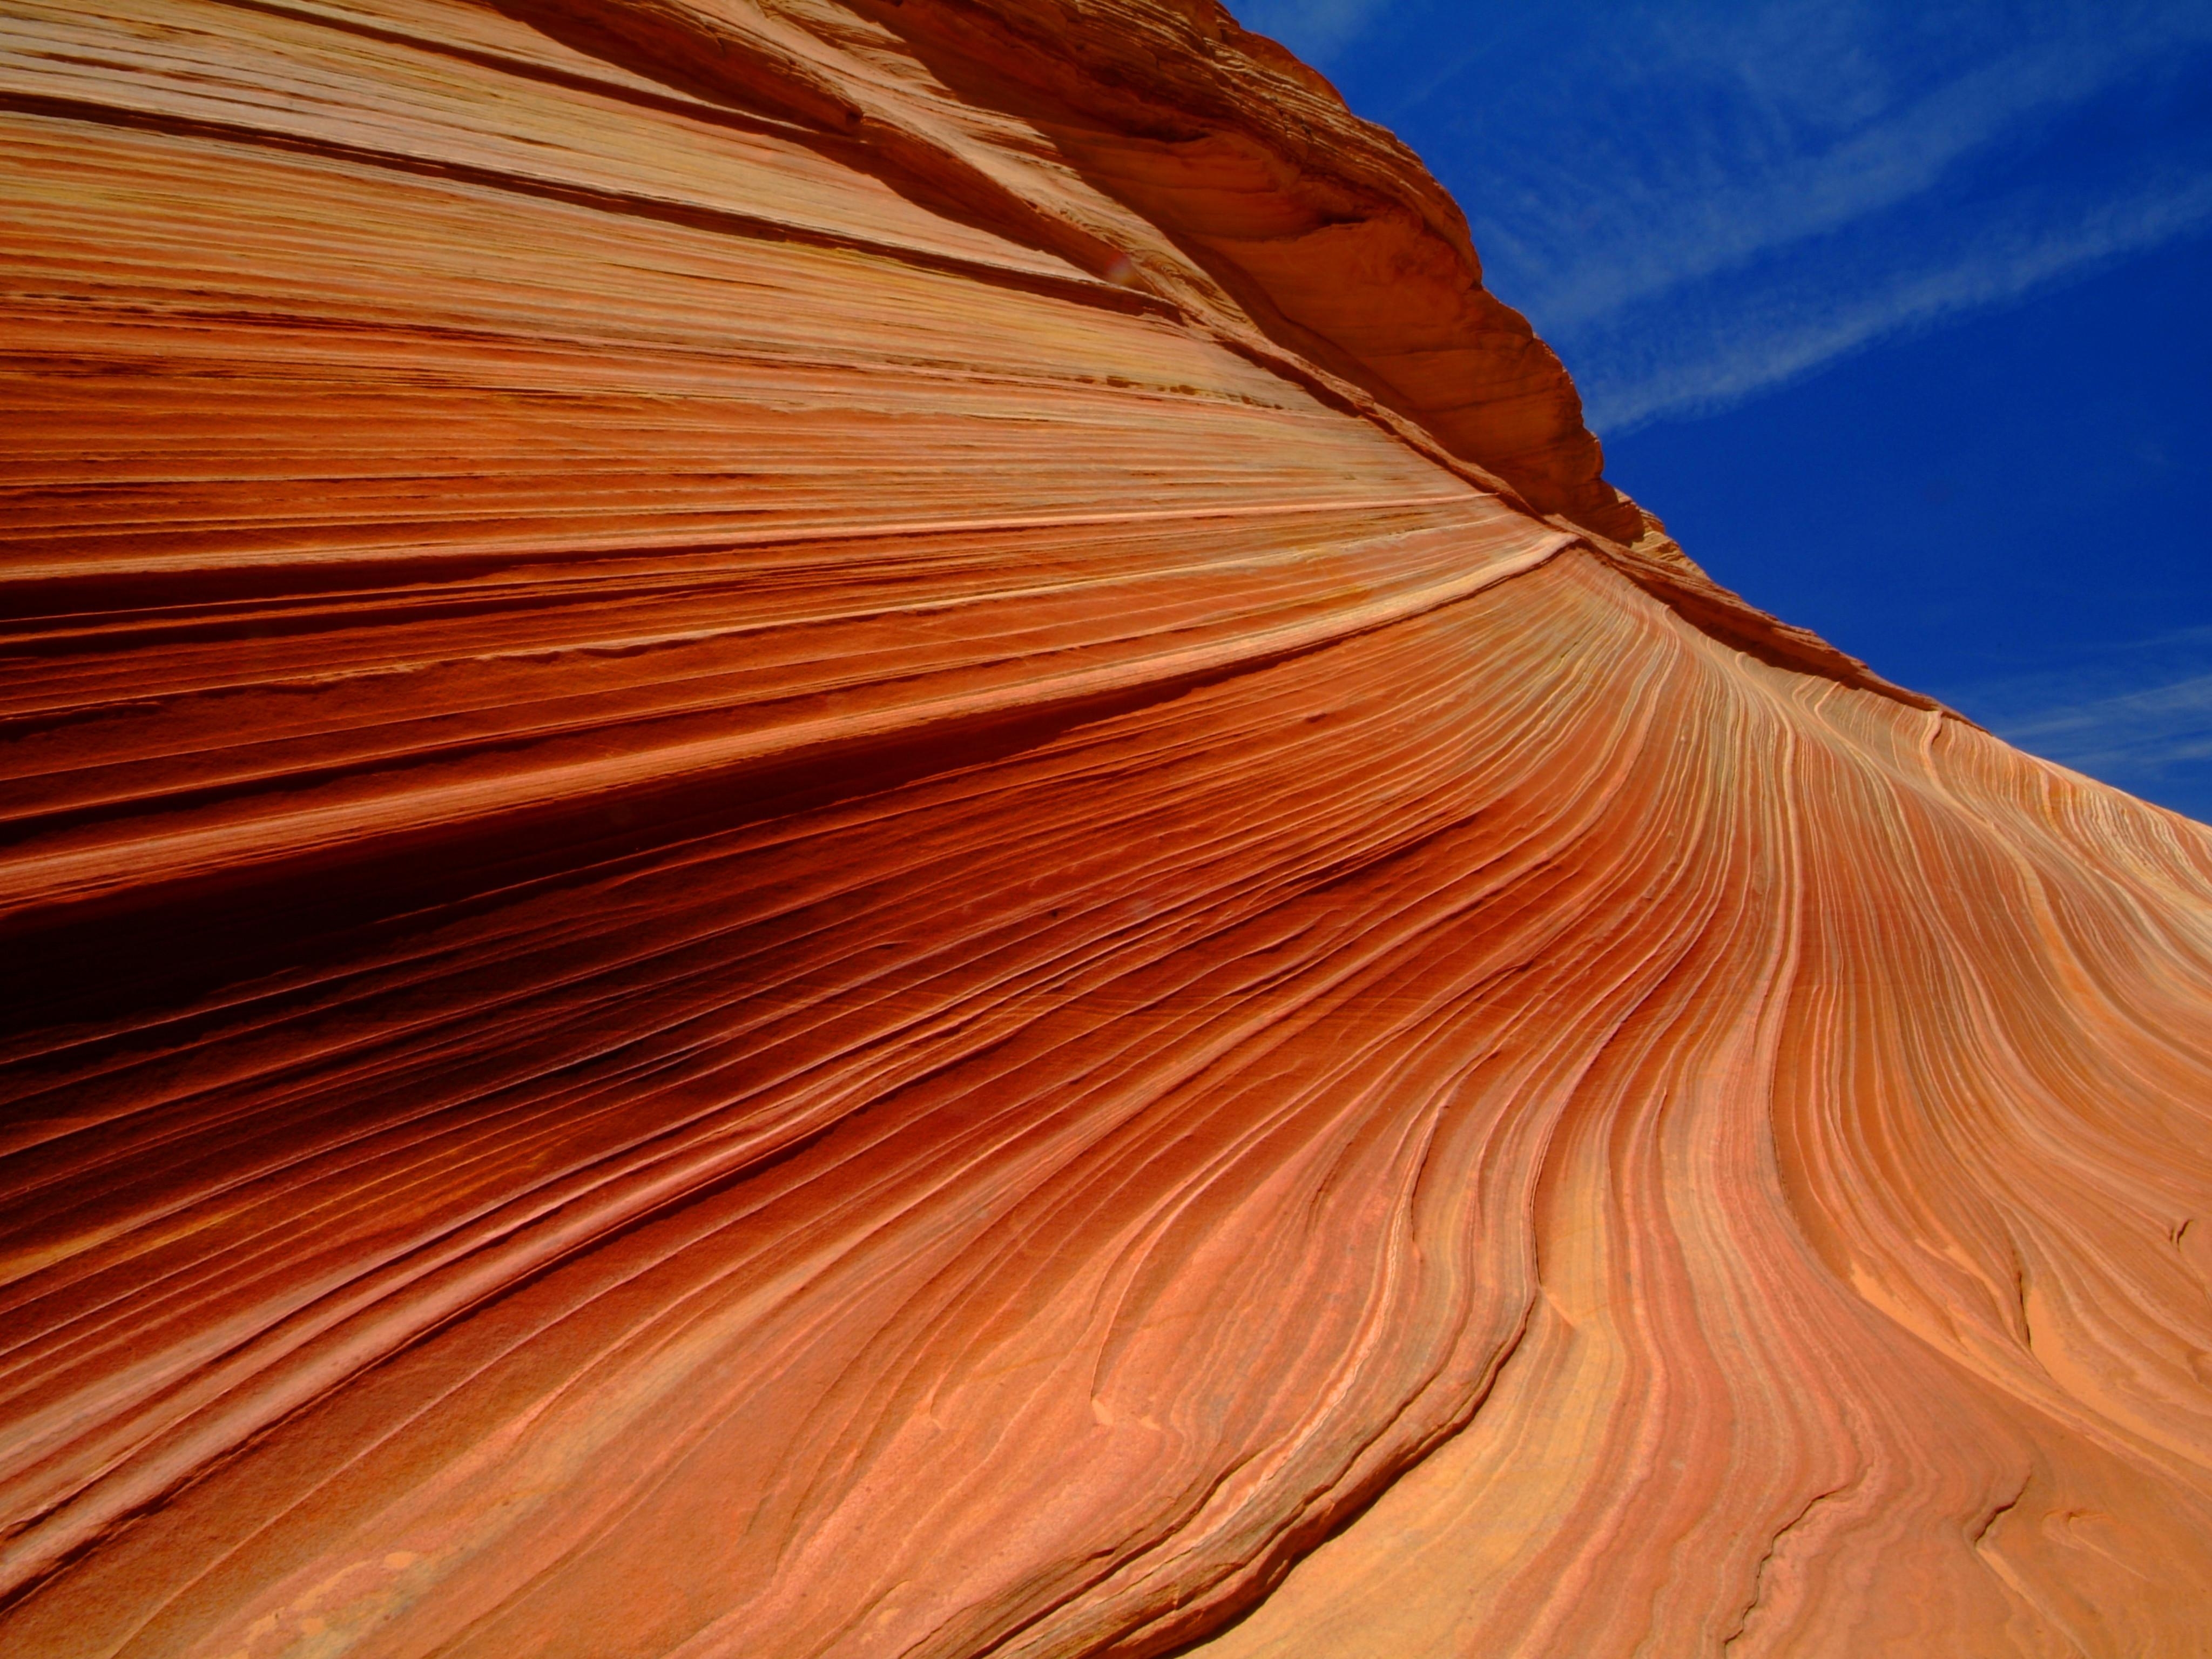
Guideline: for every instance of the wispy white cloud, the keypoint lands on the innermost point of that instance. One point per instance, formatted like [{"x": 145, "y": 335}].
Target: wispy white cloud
[
  {"x": 2150, "y": 730},
  {"x": 1790, "y": 122},
  {"x": 1315, "y": 29},
  {"x": 1707, "y": 352},
  {"x": 1696, "y": 199},
  {"x": 2138, "y": 715}
]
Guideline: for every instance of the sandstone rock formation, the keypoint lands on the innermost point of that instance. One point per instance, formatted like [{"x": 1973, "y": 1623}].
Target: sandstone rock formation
[{"x": 851, "y": 827}]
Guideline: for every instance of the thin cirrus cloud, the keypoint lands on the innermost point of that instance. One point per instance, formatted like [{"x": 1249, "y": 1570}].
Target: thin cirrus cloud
[
  {"x": 1697, "y": 202},
  {"x": 2138, "y": 715},
  {"x": 1703, "y": 349},
  {"x": 1315, "y": 29}
]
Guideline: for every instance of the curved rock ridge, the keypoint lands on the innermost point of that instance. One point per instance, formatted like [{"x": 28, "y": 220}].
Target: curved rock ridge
[{"x": 852, "y": 829}]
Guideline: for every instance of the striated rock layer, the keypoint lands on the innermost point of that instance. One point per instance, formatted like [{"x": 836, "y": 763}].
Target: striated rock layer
[{"x": 841, "y": 827}]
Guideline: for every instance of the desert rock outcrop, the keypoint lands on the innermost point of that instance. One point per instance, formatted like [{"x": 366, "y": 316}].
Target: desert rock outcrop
[{"x": 851, "y": 827}]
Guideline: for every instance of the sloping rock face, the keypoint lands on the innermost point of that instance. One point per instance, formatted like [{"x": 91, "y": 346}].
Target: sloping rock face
[{"x": 852, "y": 829}]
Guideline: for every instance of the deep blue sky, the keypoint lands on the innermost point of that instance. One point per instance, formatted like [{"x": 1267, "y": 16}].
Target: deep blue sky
[{"x": 1900, "y": 315}]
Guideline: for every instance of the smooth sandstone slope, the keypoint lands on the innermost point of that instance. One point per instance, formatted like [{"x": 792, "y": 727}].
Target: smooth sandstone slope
[{"x": 852, "y": 829}]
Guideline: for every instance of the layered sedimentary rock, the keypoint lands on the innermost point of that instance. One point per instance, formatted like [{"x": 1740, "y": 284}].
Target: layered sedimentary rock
[{"x": 853, "y": 828}]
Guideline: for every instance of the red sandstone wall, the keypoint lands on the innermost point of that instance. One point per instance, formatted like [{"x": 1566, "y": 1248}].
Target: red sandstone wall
[{"x": 851, "y": 829}]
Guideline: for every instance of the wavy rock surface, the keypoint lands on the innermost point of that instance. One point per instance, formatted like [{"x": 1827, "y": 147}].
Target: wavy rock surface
[{"x": 852, "y": 829}]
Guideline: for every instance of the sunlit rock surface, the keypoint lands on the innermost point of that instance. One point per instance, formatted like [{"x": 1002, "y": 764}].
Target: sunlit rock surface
[{"x": 854, "y": 829}]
